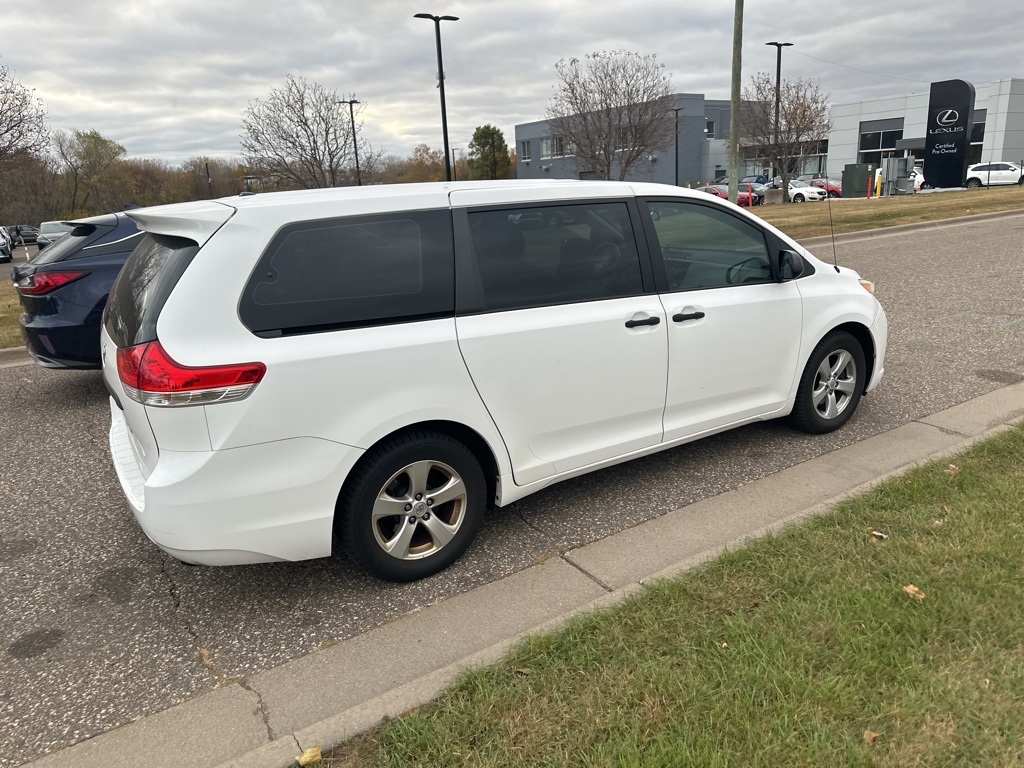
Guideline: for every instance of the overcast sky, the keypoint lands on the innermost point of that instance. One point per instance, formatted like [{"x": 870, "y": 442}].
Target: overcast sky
[{"x": 170, "y": 79}]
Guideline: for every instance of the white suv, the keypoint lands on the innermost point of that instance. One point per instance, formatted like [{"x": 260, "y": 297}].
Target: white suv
[
  {"x": 372, "y": 368},
  {"x": 991, "y": 174}
]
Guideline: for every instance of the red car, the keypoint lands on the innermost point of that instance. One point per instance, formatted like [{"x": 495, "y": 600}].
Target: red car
[
  {"x": 833, "y": 187},
  {"x": 743, "y": 198}
]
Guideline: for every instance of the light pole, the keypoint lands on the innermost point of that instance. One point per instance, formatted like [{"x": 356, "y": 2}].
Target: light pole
[
  {"x": 677, "y": 110},
  {"x": 440, "y": 83},
  {"x": 778, "y": 91},
  {"x": 355, "y": 140}
]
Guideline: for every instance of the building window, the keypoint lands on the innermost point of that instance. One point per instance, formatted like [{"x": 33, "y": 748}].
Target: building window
[
  {"x": 709, "y": 132},
  {"x": 876, "y": 145},
  {"x": 524, "y": 150},
  {"x": 554, "y": 146}
]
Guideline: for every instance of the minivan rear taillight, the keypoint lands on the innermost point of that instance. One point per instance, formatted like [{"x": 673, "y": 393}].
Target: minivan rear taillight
[
  {"x": 42, "y": 283},
  {"x": 149, "y": 376}
]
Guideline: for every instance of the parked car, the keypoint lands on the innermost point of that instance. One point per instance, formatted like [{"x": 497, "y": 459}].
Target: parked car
[
  {"x": 993, "y": 174},
  {"x": 367, "y": 369},
  {"x": 6, "y": 247},
  {"x": 52, "y": 231},
  {"x": 757, "y": 179},
  {"x": 799, "y": 191},
  {"x": 25, "y": 232},
  {"x": 743, "y": 197},
  {"x": 832, "y": 187},
  {"x": 64, "y": 288},
  {"x": 917, "y": 177}
]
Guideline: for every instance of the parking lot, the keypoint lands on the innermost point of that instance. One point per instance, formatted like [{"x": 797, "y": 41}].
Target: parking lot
[{"x": 102, "y": 628}]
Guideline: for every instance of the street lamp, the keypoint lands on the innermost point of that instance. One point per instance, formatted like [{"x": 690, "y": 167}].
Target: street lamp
[
  {"x": 677, "y": 110},
  {"x": 440, "y": 83},
  {"x": 778, "y": 86},
  {"x": 355, "y": 140}
]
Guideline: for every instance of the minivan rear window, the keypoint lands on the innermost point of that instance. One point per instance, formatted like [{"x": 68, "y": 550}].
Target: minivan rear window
[{"x": 142, "y": 287}]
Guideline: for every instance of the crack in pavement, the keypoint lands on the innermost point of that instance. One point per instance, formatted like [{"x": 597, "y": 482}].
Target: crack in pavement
[
  {"x": 205, "y": 654},
  {"x": 560, "y": 551},
  {"x": 264, "y": 711}
]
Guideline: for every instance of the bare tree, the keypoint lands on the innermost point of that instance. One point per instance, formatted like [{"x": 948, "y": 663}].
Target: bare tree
[
  {"x": 89, "y": 167},
  {"x": 300, "y": 137},
  {"x": 22, "y": 119},
  {"x": 611, "y": 108},
  {"x": 803, "y": 123}
]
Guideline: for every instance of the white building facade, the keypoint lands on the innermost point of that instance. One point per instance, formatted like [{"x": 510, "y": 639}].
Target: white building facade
[{"x": 871, "y": 131}]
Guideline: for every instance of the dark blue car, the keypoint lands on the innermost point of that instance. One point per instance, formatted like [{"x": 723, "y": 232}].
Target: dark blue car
[{"x": 64, "y": 288}]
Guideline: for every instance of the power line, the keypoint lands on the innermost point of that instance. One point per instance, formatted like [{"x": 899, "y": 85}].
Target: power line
[{"x": 866, "y": 72}]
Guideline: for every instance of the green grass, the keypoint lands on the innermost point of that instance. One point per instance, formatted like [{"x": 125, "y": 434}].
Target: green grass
[
  {"x": 788, "y": 652},
  {"x": 854, "y": 215},
  {"x": 10, "y": 308}
]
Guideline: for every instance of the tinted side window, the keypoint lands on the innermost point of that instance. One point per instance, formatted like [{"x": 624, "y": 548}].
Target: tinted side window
[
  {"x": 529, "y": 257},
  {"x": 354, "y": 271},
  {"x": 702, "y": 247}
]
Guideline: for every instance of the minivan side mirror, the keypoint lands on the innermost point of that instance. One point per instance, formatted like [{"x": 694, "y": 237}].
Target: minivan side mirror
[{"x": 789, "y": 265}]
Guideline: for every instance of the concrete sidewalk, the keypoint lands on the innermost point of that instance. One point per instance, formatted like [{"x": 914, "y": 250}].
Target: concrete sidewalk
[{"x": 337, "y": 692}]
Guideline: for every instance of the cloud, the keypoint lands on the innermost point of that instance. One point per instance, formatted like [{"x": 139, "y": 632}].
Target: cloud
[{"x": 171, "y": 80}]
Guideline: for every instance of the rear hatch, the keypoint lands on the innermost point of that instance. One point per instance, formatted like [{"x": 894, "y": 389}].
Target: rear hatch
[
  {"x": 139, "y": 293},
  {"x": 173, "y": 236},
  {"x": 36, "y": 300}
]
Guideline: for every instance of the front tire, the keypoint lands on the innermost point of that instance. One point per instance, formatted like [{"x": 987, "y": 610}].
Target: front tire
[
  {"x": 798, "y": 198},
  {"x": 412, "y": 506},
  {"x": 831, "y": 384}
]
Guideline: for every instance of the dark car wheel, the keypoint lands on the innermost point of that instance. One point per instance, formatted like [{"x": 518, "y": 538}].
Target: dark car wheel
[
  {"x": 798, "y": 198},
  {"x": 831, "y": 384},
  {"x": 972, "y": 183},
  {"x": 833, "y": 194},
  {"x": 412, "y": 507}
]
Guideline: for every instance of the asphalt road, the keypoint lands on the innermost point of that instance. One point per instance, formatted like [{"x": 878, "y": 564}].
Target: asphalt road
[{"x": 101, "y": 628}]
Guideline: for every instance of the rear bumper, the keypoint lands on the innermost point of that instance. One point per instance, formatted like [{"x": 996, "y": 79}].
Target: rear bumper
[
  {"x": 259, "y": 503},
  {"x": 61, "y": 345}
]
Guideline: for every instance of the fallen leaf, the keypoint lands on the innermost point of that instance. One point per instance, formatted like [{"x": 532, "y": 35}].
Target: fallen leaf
[
  {"x": 914, "y": 592},
  {"x": 953, "y": 470},
  {"x": 936, "y": 523},
  {"x": 874, "y": 535},
  {"x": 311, "y": 756},
  {"x": 524, "y": 672},
  {"x": 870, "y": 736},
  {"x": 725, "y": 645}
]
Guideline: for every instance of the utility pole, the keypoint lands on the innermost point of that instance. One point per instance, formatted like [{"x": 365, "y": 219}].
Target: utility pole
[{"x": 734, "y": 110}]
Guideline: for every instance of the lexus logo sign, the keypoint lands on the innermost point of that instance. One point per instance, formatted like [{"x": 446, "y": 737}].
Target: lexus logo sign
[{"x": 947, "y": 117}]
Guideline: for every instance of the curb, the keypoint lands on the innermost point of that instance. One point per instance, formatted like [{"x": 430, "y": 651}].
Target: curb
[{"x": 14, "y": 356}]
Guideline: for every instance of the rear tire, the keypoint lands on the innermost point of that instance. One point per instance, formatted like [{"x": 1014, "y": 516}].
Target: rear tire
[
  {"x": 831, "y": 384},
  {"x": 412, "y": 506},
  {"x": 973, "y": 183}
]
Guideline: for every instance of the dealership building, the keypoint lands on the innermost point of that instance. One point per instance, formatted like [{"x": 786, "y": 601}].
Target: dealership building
[{"x": 953, "y": 124}]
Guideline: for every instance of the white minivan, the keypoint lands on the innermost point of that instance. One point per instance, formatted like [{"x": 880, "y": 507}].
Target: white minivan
[{"x": 369, "y": 369}]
